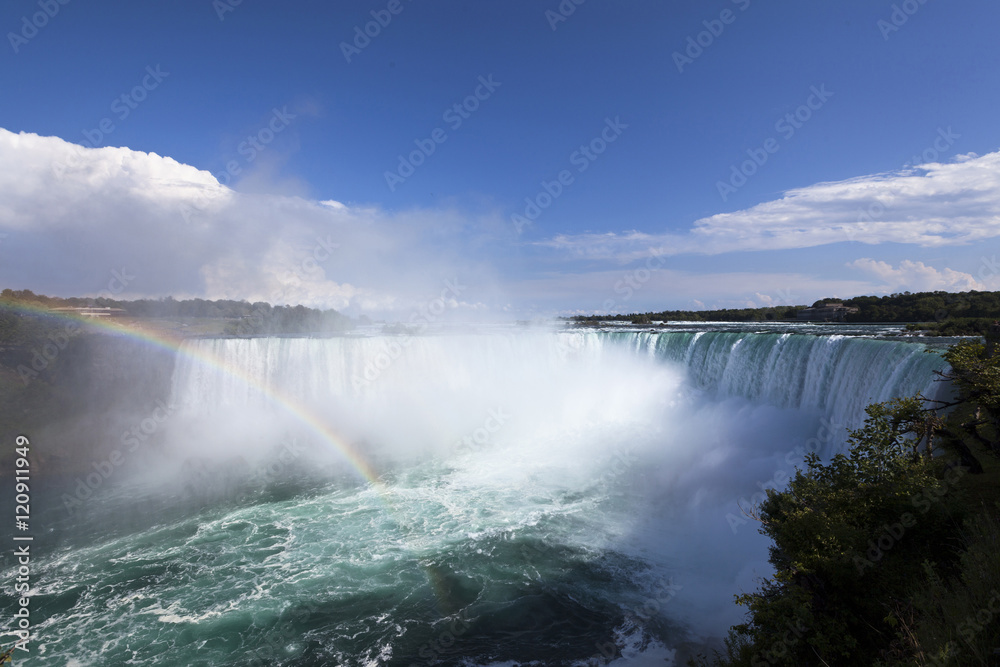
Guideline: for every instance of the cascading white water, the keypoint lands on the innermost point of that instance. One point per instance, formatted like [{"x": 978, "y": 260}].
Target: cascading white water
[
  {"x": 838, "y": 375},
  {"x": 397, "y": 394},
  {"x": 418, "y": 393}
]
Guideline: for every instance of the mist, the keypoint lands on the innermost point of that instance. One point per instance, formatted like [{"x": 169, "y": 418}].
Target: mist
[
  {"x": 529, "y": 424},
  {"x": 599, "y": 484}
]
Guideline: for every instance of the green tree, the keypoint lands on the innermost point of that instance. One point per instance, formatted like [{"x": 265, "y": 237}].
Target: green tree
[
  {"x": 883, "y": 555},
  {"x": 849, "y": 538}
]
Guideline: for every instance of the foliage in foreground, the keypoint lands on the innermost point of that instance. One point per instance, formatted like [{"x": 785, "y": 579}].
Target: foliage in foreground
[{"x": 888, "y": 555}]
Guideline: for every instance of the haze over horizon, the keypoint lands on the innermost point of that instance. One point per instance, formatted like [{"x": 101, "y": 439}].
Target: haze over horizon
[{"x": 518, "y": 159}]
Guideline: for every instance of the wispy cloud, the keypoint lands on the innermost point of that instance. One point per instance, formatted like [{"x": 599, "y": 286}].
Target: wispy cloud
[
  {"x": 612, "y": 291},
  {"x": 934, "y": 204}
]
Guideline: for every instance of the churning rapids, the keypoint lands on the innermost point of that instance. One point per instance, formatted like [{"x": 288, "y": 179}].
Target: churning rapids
[{"x": 492, "y": 498}]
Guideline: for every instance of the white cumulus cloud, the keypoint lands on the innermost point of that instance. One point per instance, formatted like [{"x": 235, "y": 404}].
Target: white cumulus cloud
[
  {"x": 917, "y": 276},
  {"x": 75, "y": 216}
]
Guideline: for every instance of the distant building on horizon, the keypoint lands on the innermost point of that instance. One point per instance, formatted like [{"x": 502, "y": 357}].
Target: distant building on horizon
[{"x": 830, "y": 311}]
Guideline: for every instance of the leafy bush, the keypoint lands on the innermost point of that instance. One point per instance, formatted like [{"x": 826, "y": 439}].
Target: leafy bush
[{"x": 888, "y": 555}]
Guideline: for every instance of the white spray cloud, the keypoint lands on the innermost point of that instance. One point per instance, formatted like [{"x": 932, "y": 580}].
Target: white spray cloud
[{"x": 74, "y": 214}]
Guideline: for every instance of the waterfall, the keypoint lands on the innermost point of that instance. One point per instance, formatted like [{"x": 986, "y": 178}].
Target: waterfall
[
  {"x": 833, "y": 375},
  {"x": 545, "y": 486},
  {"x": 838, "y": 375}
]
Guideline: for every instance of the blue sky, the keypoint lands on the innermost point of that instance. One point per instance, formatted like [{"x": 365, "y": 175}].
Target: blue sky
[{"x": 882, "y": 90}]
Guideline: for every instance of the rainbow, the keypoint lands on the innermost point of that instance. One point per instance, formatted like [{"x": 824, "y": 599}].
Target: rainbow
[
  {"x": 175, "y": 344},
  {"x": 328, "y": 436}
]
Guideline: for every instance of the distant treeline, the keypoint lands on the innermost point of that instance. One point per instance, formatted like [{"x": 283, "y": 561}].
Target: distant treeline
[
  {"x": 246, "y": 319},
  {"x": 936, "y": 307},
  {"x": 925, "y": 306},
  {"x": 726, "y": 315}
]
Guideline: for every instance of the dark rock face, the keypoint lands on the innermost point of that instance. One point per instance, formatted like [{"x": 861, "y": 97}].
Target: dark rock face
[{"x": 76, "y": 396}]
